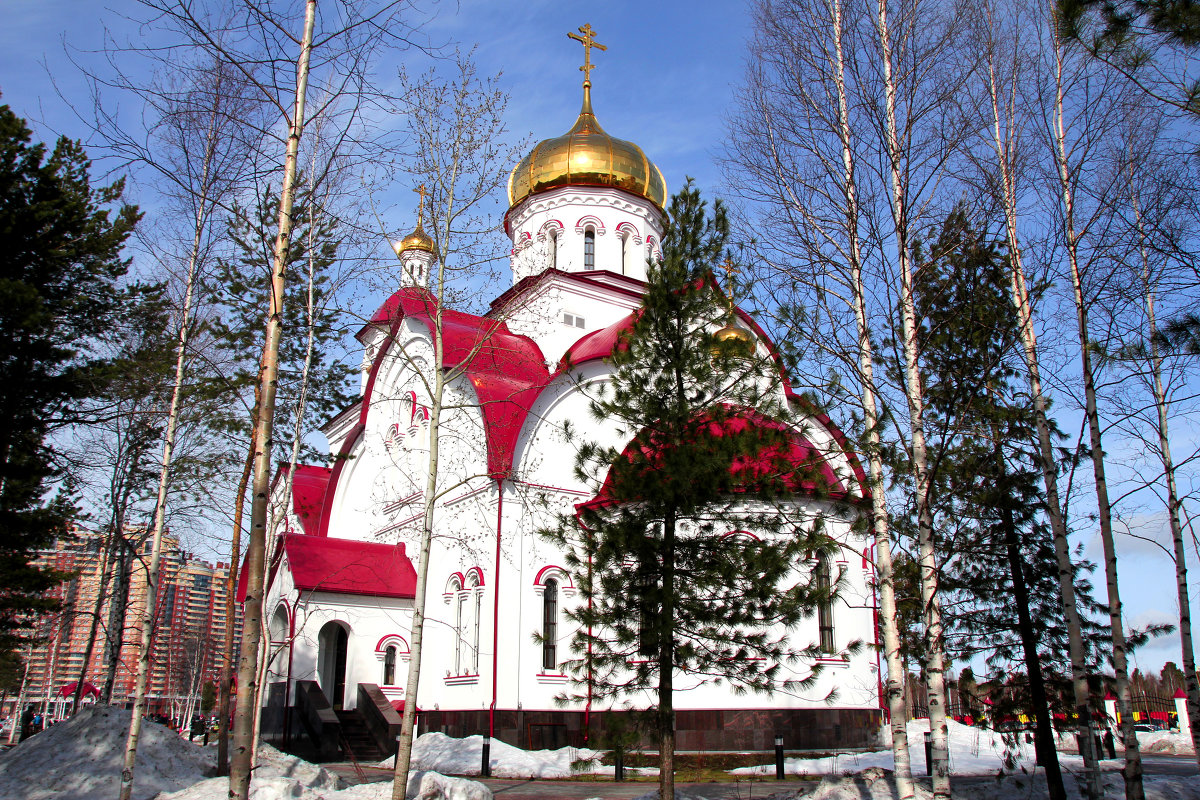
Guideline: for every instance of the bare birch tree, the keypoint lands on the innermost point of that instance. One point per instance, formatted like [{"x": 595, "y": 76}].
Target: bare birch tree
[
  {"x": 1006, "y": 74},
  {"x": 919, "y": 81},
  {"x": 1082, "y": 112},
  {"x": 794, "y": 154},
  {"x": 460, "y": 152},
  {"x": 1157, "y": 206}
]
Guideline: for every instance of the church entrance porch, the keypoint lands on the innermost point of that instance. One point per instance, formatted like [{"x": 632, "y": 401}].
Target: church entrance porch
[{"x": 332, "y": 645}]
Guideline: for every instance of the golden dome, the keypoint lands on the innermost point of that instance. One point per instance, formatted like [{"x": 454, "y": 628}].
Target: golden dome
[
  {"x": 417, "y": 240},
  {"x": 733, "y": 332},
  {"x": 587, "y": 156}
]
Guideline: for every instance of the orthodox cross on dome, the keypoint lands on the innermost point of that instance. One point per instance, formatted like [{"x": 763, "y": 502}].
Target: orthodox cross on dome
[
  {"x": 730, "y": 270},
  {"x": 588, "y": 41},
  {"x": 421, "y": 190}
]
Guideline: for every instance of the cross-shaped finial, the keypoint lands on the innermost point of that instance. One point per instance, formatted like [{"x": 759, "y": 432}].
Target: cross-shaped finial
[
  {"x": 588, "y": 41},
  {"x": 421, "y": 190},
  {"x": 731, "y": 270}
]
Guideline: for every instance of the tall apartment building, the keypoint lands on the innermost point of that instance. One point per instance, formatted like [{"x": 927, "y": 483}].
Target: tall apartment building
[{"x": 189, "y": 625}]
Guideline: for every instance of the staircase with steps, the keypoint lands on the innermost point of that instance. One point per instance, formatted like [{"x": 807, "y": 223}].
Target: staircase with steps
[{"x": 357, "y": 737}]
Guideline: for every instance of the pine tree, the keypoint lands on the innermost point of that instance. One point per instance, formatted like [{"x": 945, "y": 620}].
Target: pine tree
[
  {"x": 61, "y": 289},
  {"x": 665, "y": 588}
]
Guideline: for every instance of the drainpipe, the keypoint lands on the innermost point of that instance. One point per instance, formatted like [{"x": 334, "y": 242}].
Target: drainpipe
[
  {"x": 496, "y": 607},
  {"x": 287, "y": 688}
]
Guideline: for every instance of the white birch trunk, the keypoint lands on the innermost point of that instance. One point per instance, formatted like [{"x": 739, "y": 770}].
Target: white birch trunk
[
  {"x": 164, "y": 476},
  {"x": 898, "y": 717},
  {"x": 1162, "y": 409},
  {"x": 160, "y": 506},
  {"x": 408, "y": 720},
  {"x": 241, "y": 760},
  {"x": 935, "y": 656},
  {"x": 1134, "y": 789},
  {"x": 1003, "y": 145}
]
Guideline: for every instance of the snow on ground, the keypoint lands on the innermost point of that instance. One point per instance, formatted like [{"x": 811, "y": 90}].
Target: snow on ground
[
  {"x": 421, "y": 786},
  {"x": 82, "y": 759},
  {"x": 875, "y": 784},
  {"x": 283, "y": 777},
  {"x": 442, "y": 753},
  {"x": 973, "y": 751},
  {"x": 278, "y": 775},
  {"x": 1169, "y": 742}
]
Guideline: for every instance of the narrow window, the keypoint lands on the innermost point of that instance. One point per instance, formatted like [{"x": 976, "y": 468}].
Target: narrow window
[
  {"x": 475, "y": 649},
  {"x": 825, "y": 606},
  {"x": 550, "y": 625},
  {"x": 626, "y": 253},
  {"x": 389, "y": 666},
  {"x": 589, "y": 249},
  {"x": 460, "y": 606},
  {"x": 648, "y": 619},
  {"x": 552, "y": 249}
]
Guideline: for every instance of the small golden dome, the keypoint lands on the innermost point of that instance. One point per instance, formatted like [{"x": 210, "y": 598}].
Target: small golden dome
[
  {"x": 733, "y": 340},
  {"x": 417, "y": 240},
  {"x": 587, "y": 156}
]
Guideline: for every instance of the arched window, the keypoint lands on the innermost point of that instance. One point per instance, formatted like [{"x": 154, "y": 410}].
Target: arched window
[
  {"x": 626, "y": 253},
  {"x": 589, "y": 248},
  {"x": 825, "y": 605},
  {"x": 389, "y": 666},
  {"x": 550, "y": 625},
  {"x": 473, "y": 654},
  {"x": 552, "y": 248},
  {"x": 460, "y": 607}
]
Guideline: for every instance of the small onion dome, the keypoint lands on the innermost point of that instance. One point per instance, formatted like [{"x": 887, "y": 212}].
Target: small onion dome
[
  {"x": 587, "y": 156},
  {"x": 417, "y": 240},
  {"x": 732, "y": 339}
]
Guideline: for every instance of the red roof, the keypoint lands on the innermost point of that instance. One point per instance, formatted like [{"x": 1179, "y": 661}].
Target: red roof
[
  {"x": 345, "y": 566},
  {"x": 597, "y": 344},
  {"x": 795, "y": 467},
  {"x": 308, "y": 494}
]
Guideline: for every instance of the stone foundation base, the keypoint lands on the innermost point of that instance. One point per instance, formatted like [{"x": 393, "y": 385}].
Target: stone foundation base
[{"x": 743, "y": 730}]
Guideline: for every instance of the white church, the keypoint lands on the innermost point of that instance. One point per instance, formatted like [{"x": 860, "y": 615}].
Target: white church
[{"x": 586, "y": 211}]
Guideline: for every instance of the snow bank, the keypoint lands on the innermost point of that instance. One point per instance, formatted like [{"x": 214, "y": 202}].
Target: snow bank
[
  {"x": 82, "y": 759},
  {"x": 442, "y": 753},
  {"x": 1169, "y": 742},
  {"x": 278, "y": 775},
  {"x": 973, "y": 751},
  {"x": 421, "y": 786}
]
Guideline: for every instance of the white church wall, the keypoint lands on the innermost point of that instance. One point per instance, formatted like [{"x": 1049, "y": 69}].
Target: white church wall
[
  {"x": 548, "y": 231},
  {"x": 559, "y": 311}
]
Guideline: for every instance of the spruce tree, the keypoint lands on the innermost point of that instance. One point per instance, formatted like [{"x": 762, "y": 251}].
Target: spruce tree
[
  {"x": 707, "y": 450},
  {"x": 237, "y": 287},
  {"x": 999, "y": 581}
]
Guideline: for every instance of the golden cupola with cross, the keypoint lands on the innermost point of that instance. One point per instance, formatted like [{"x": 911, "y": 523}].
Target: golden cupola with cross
[
  {"x": 585, "y": 202},
  {"x": 417, "y": 251},
  {"x": 586, "y": 155}
]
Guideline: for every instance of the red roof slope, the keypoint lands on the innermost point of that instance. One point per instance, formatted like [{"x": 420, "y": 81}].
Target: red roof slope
[
  {"x": 308, "y": 494},
  {"x": 345, "y": 566},
  {"x": 788, "y": 460}
]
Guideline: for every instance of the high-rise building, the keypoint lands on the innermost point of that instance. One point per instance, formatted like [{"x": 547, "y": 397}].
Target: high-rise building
[{"x": 189, "y": 623}]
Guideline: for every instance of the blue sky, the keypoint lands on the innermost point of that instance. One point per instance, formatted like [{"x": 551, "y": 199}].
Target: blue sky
[{"x": 665, "y": 82}]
